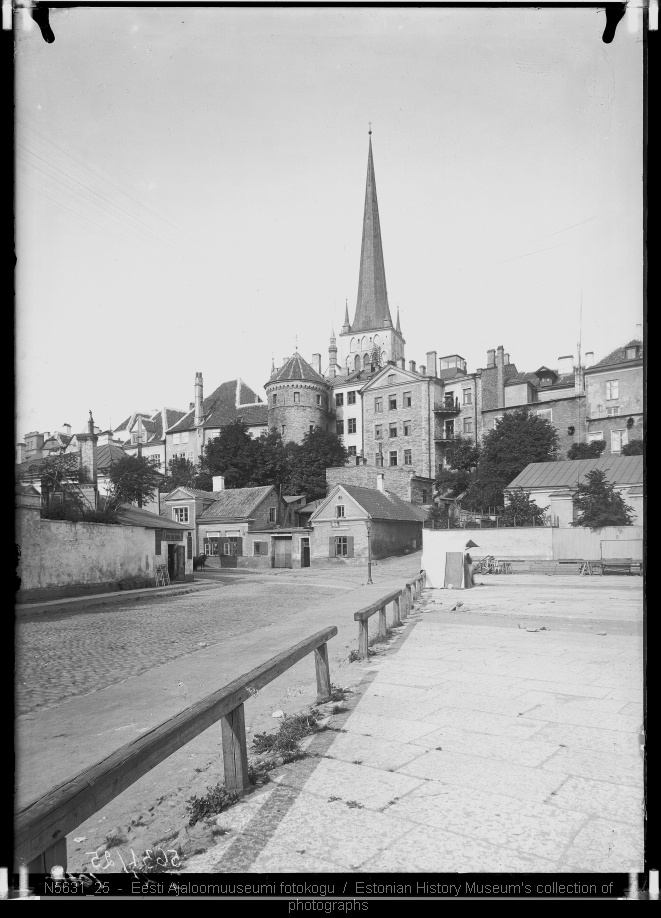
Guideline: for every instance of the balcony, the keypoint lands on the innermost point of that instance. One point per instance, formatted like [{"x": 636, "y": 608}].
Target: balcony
[{"x": 449, "y": 405}]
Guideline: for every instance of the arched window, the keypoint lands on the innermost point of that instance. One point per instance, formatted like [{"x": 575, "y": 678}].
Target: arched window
[
  {"x": 364, "y": 344},
  {"x": 377, "y": 339},
  {"x": 356, "y": 365},
  {"x": 354, "y": 344},
  {"x": 366, "y": 360}
]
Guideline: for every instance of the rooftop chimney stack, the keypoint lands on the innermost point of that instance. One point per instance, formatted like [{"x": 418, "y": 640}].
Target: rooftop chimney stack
[
  {"x": 423, "y": 370},
  {"x": 67, "y": 429},
  {"x": 432, "y": 363},
  {"x": 381, "y": 482},
  {"x": 565, "y": 364},
  {"x": 500, "y": 375},
  {"x": 412, "y": 366},
  {"x": 218, "y": 483},
  {"x": 589, "y": 359},
  {"x": 491, "y": 358},
  {"x": 507, "y": 359},
  {"x": 316, "y": 363},
  {"x": 401, "y": 363},
  {"x": 20, "y": 453},
  {"x": 199, "y": 398}
]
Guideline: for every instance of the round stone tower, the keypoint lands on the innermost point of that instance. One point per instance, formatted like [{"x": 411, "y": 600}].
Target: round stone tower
[{"x": 298, "y": 399}]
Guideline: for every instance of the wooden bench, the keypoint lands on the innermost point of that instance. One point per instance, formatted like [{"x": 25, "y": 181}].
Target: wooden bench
[{"x": 621, "y": 566}]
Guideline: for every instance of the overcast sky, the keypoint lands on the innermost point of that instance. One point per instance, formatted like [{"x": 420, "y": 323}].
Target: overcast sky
[{"x": 190, "y": 186}]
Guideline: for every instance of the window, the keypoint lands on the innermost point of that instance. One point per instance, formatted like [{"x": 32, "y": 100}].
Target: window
[
  {"x": 260, "y": 548},
  {"x": 408, "y": 458},
  {"x": 407, "y": 399},
  {"x": 351, "y": 450},
  {"x": 393, "y": 457},
  {"x": 377, "y": 431},
  {"x": 351, "y": 425},
  {"x": 378, "y": 405},
  {"x": 612, "y": 412},
  {"x": 339, "y": 511},
  {"x": 339, "y": 399},
  {"x": 176, "y": 439},
  {"x": 318, "y": 400},
  {"x": 407, "y": 428},
  {"x": 297, "y": 397},
  {"x": 392, "y": 431},
  {"x": 632, "y": 352},
  {"x": 468, "y": 397},
  {"x": 180, "y": 514},
  {"x": 282, "y": 430},
  {"x": 339, "y": 427},
  {"x": 546, "y": 413},
  {"x": 612, "y": 389},
  {"x": 311, "y": 428},
  {"x": 618, "y": 440},
  {"x": 597, "y": 435},
  {"x": 391, "y": 379},
  {"x": 468, "y": 425},
  {"x": 392, "y": 402},
  {"x": 379, "y": 460},
  {"x": 184, "y": 438},
  {"x": 341, "y": 546},
  {"x": 275, "y": 399},
  {"x": 424, "y": 496},
  {"x": 351, "y": 398},
  {"x": 231, "y": 546},
  {"x": 273, "y": 515}
]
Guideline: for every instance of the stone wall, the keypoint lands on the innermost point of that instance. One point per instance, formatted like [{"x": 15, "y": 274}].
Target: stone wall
[
  {"x": 405, "y": 484},
  {"x": 296, "y": 408}
]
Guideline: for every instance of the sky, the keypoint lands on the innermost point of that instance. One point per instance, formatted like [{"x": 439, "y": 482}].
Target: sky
[{"x": 190, "y": 187}]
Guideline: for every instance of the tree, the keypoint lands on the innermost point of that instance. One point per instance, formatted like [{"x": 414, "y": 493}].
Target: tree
[
  {"x": 233, "y": 454},
  {"x": 440, "y": 516},
  {"x": 310, "y": 459},
  {"x": 60, "y": 474},
  {"x": 600, "y": 504},
  {"x": 133, "y": 480},
  {"x": 591, "y": 450},
  {"x": 182, "y": 473},
  {"x": 519, "y": 438},
  {"x": 520, "y": 510},
  {"x": 274, "y": 465},
  {"x": 461, "y": 454},
  {"x": 633, "y": 448}
]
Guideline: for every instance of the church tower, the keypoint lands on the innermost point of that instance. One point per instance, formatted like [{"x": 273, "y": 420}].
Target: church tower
[{"x": 372, "y": 326}]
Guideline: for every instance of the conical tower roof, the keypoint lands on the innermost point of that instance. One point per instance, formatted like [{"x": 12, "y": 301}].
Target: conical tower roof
[
  {"x": 372, "y": 310},
  {"x": 296, "y": 368}
]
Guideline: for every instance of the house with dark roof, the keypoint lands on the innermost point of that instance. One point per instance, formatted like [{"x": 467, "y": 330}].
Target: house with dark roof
[
  {"x": 232, "y": 401},
  {"x": 554, "y": 484},
  {"x": 614, "y": 392},
  {"x": 350, "y": 516},
  {"x": 146, "y": 433}
]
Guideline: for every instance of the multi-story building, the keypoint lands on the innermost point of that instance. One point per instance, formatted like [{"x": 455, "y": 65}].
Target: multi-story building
[{"x": 614, "y": 393}]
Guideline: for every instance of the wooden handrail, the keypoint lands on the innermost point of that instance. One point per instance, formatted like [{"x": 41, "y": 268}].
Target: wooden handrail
[
  {"x": 44, "y": 824},
  {"x": 402, "y": 600}
]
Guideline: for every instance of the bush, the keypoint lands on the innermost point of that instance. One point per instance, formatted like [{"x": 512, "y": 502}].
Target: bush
[{"x": 216, "y": 800}]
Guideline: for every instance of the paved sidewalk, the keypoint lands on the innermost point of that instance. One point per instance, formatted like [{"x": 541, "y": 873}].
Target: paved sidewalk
[{"x": 467, "y": 747}]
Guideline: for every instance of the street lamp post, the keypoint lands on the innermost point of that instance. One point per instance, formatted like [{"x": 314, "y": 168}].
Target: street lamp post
[{"x": 368, "y": 525}]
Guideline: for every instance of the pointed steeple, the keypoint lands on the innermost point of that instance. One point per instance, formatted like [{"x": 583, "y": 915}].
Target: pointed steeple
[
  {"x": 399, "y": 327},
  {"x": 372, "y": 310},
  {"x": 346, "y": 327}
]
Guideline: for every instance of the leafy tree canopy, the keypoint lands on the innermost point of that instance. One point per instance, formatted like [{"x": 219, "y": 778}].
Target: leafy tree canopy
[
  {"x": 461, "y": 454},
  {"x": 600, "y": 504},
  {"x": 591, "y": 450},
  {"x": 520, "y": 510},
  {"x": 233, "y": 454},
  {"x": 133, "y": 480},
  {"x": 319, "y": 450},
  {"x": 182, "y": 473},
  {"x": 633, "y": 448}
]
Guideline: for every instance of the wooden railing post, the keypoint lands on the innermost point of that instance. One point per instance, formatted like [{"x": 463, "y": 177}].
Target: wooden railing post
[
  {"x": 323, "y": 673},
  {"x": 363, "y": 638},
  {"x": 235, "y": 751},
  {"x": 409, "y": 600},
  {"x": 383, "y": 625},
  {"x": 397, "y": 618}
]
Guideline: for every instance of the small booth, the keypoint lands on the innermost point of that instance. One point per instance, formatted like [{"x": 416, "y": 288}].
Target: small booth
[{"x": 446, "y": 561}]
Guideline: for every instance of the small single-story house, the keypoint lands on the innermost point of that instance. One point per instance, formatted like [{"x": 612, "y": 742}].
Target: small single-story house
[
  {"x": 342, "y": 521},
  {"x": 554, "y": 484},
  {"x": 173, "y": 542},
  {"x": 237, "y": 527}
]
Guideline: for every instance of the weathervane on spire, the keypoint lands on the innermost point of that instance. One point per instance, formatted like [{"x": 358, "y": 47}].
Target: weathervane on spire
[
  {"x": 296, "y": 341},
  {"x": 370, "y": 124}
]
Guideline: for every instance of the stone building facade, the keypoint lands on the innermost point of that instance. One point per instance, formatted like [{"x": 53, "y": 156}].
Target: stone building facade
[
  {"x": 614, "y": 392},
  {"x": 298, "y": 399}
]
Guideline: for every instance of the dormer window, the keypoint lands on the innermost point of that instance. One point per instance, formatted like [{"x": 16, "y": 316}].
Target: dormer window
[{"x": 631, "y": 352}]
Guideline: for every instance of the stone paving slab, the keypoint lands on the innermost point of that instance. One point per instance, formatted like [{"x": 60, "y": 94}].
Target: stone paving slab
[
  {"x": 528, "y": 752},
  {"x": 593, "y": 738},
  {"x": 605, "y": 846},
  {"x": 623, "y": 803}
]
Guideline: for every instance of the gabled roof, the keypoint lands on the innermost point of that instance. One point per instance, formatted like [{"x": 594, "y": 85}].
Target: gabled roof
[
  {"x": 620, "y": 470},
  {"x": 413, "y": 375},
  {"x": 378, "y": 505},
  {"x": 296, "y": 368},
  {"x": 236, "y": 503},
  {"x": 223, "y": 407},
  {"x": 128, "y": 515},
  {"x": 619, "y": 355},
  {"x": 107, "y": 454},
  {"x": 193, "y": 492},
  {"x": 356, "y": 377}
]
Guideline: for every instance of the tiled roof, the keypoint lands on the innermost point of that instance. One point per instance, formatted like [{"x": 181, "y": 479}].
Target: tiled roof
[
  {"x": 620, "y": 470},
  {"x": 356, "y": 376},
  {"x": 619, "y": 355},
  {"x": 567, "y": 379},
  {"x": 107, "y": 454},
  {"x": 290, "y": 499},
  {"x": 384, "y": 506},
  {"x": 128, "y": 515},
  {"x": 296, "y": 368},
  {"x": 220, "y": 408},
  {"x": 196, "y": 492},
  {"x": 235, "y": 503}
]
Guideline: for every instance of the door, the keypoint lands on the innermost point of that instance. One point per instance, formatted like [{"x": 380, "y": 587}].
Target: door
[
  {"x": 449, "y": 430},
  {"x": 171, "y": 561},
  {"x": 230, "y": 547},
  {"x": 180, "y": 562},
  {"x": 282, "y": 552},
  {"x": 305, "y": 553}
]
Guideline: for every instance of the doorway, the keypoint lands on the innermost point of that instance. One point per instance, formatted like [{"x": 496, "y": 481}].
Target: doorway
[
  {"x": 305, "y": 552},
  {"x": 282, "y": 552},
  {"x": 449, "y": 430}
]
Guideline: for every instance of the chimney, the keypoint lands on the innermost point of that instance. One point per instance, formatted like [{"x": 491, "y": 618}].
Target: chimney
[
  {"x": 199, "y": 397},
  {"x": 579, "y": 380},
  {"x": 491, "y": 358},
  {"x": 423, "y": 370},
  {"x": 20, "y": 453},
  {"x": 589, "y": 359},
  {"x": 432, "y": 363},
  {"x": 316, "y": 363},
  {"x": 218, "y": 483},
  {"x": 381, "y": 482},
  {"x": 565, "y": 364},
  {"x": 500, "y": 375},
  {"x": 412, "y": 366},
  {"x": 401, "y": 363},
  {"x": 88, "y": 442},
  {"x": 67, "y": 429},
  {"x": 507, "y": 360}
]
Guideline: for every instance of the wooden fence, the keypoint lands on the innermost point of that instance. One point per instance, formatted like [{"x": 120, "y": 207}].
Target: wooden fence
[
  {"x": 41, "y": 828},
  {"x": 402, "y": 600}
]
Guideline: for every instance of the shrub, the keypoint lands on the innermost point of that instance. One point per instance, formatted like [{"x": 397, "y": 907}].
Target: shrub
[{"x": 216, "y": 800}]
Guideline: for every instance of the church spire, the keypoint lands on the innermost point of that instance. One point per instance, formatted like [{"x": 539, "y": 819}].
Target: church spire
[
  {"x": 372, "y": 310},
  {"x": 399, "y": 327}
]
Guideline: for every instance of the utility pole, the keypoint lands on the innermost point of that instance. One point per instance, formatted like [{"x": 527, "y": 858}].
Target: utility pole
[{"x": 368, "y": 525}]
